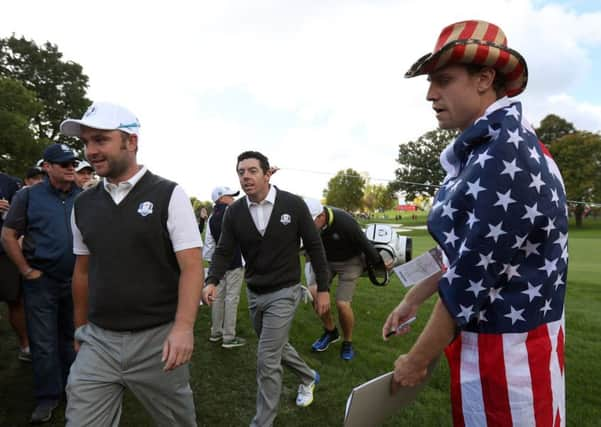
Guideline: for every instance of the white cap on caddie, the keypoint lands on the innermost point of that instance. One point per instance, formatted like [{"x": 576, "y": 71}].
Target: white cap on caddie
[
  {"x": 219, "y": 192},
  {"x": 104, "y": 116},
  {"x": 314, "y": 205}
]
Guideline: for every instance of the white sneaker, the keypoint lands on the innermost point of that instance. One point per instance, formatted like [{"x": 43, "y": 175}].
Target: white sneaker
[{"x": 305, "y": 392}]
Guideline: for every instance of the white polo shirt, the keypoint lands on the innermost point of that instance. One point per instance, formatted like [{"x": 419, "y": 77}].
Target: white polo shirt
[{"x": 261, "y": 211}]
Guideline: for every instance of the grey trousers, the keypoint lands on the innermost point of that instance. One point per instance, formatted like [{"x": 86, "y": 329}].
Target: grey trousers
[
  {"x": 108, "y": 362},
  {"x": 271, "y": 315},
  {"x": 224, "y": 310}
]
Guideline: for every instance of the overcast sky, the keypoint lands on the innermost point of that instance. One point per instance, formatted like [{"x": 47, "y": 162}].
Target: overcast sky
[{"x": 317, "y": 86}]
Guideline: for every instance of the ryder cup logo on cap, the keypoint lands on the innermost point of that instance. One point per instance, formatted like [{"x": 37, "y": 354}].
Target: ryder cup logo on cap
[
  {"x": 103, "y": 116},
  {"x": 145, "y": 208},
  {"x": 219, "y": 192}
]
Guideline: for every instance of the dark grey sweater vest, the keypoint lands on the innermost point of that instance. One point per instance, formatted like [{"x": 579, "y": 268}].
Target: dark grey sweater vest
[{"x": 133, "y": 272}]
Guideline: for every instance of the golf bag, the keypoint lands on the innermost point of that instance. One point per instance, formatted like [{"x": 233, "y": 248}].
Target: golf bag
[{"x": 391, "y": 246}]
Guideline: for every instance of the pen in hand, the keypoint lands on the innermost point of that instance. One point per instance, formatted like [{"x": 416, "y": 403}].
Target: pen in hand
[{"x": 401, "y": 326}]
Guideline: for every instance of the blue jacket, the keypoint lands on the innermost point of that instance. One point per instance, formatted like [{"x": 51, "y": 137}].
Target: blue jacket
[{"x": 48, "y": 242}]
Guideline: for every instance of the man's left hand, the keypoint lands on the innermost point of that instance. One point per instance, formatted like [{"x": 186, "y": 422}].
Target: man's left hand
[
  {"x": 408, "y": 372},
  {"x": 177, "y": 348}
]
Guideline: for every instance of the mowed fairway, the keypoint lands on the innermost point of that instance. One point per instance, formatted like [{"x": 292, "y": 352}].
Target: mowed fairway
[{"x": 224, "y": 380}]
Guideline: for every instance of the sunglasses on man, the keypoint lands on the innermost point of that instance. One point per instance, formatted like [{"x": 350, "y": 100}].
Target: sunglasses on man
[{"x": 65, "y": 165}]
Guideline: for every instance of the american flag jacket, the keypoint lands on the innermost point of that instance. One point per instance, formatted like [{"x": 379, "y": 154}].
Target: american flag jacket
[{"x": 501, "y": 219}]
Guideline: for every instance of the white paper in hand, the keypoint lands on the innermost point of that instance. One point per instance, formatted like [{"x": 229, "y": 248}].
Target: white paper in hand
[{"x": 419, "y": 268}]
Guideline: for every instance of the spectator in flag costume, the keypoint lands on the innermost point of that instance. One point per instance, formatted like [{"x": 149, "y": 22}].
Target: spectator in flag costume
[{"x": 500, "y": 218}]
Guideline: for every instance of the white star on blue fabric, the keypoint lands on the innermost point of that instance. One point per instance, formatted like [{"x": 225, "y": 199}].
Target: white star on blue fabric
[
  {"x": 494, "y": 294},
  {"x": 562, "y": 240},
  {"x": 495, "y": 231},
  {"x": 448, "y": 210},
  {"x": 515, "y": 315},
  {"x": 511, "y": 271},
  {"x": 504, "y": 200},
  {"x": 537, "y": 182},
  {"x": 554, "y": 196},
  {"x": 530, "y": 248},
  {"x": 485, "y": 260},
  {"x": 465, "y": 312},
  {"x": 550, "y": 266},
  {"x": 519, "y": 241},
  {"x": 482, "y": 158},
  {"x": 510, "y": 169},
  {"x": 474, "y": 188},
  {"x": 475, "y": 287},
  {"x": 558, "y": 282},
  {"x": 550, "y": 226},
  {"x": 471, "y": 220},
  {"x": 514, "y": 138},
  {"x": 482, "y": 317},
  {"x": 463, "y": 248},
  {"x": 534, "y": 154},
  {"x": 451, "y": 237},
  {"x": 532, "y": 291},
  {"x": 547, "y": 307},
  {"x": 531, "y": 212},
  {"x": 513, "y": 111},
  {"x": 564, "y": 254},
  {"x": 450, "y": 275}
]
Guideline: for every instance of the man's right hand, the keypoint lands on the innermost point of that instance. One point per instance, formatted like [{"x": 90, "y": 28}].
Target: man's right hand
[
  {"x": 209, "y": 293},
  {"x": 401, "y": 313},
  {"x": 4, "y": 205}
]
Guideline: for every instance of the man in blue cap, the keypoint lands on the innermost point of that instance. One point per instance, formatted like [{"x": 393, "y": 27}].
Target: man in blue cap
[{"x": 41, "y": 214}]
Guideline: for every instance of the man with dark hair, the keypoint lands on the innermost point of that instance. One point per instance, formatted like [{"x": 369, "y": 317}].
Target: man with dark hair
[
  {"x": 136, "y": 283},
  {"x": 345, "y": 244},
  {"x": 33, "y": 176},
  {"x": 500, "y": 218},
  {"x": 268, "y": 225},
  {"x": 10, "y": 280},
  {"x": 41, "y": 215}
]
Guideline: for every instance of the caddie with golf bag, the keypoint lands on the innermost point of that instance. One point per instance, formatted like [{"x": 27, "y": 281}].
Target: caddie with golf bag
[{"x": 345, "y": 244}]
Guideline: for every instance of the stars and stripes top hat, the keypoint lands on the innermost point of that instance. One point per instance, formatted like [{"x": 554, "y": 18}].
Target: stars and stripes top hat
[{"x": 475, "y": 42}]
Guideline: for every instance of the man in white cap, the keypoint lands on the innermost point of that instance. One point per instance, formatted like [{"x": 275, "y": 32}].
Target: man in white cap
[
  {"x": 500, "y": 218},
  {"x": 137, "y": 281},
  {"x": 345, "y": 244},
  {"x": 84, "y": 173},
  {"x": 224, "y": 309}
]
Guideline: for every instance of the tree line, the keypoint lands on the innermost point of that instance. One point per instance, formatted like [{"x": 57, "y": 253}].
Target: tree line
[{"x": 39, "y": 88}]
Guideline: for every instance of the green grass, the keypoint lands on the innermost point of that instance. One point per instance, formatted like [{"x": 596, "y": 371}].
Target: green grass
[{"x": 224, "y": 380}]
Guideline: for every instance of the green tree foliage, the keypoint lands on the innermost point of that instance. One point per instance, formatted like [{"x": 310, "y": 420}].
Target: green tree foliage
[
  {"x": 59, "y": 85},
  {"x": 18, "y": 148},
  {"x": 581, "y": 173},
  {"x": 345, "y": 190},
  {"x": 419, "y": 171},
  {"x": 553, "y": 127},
  {"x": 197, "y": 205},
  {"x": 378, "y": 197}
]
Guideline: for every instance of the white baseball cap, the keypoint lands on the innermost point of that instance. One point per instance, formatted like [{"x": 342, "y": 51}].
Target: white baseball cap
[
  {"x": 82, "y": 165},
  {"x": 218, "y": 192},
  {"x": 314, "y": 205},
  {"x": 104, "y": 116}
]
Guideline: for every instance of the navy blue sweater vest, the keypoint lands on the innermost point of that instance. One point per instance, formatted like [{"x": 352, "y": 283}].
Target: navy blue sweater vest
[{"x": 133, "y": 272}]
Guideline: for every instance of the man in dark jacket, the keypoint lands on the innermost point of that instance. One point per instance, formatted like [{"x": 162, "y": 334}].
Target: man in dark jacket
[
  {"x": 268, "y": 224},
  {"x": 41, "y": 214},
  {"x": 344, "y": 243}
]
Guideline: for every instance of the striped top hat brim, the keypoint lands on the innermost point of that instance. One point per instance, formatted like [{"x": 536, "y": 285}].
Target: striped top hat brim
[{"x": 475, "y": 42}]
